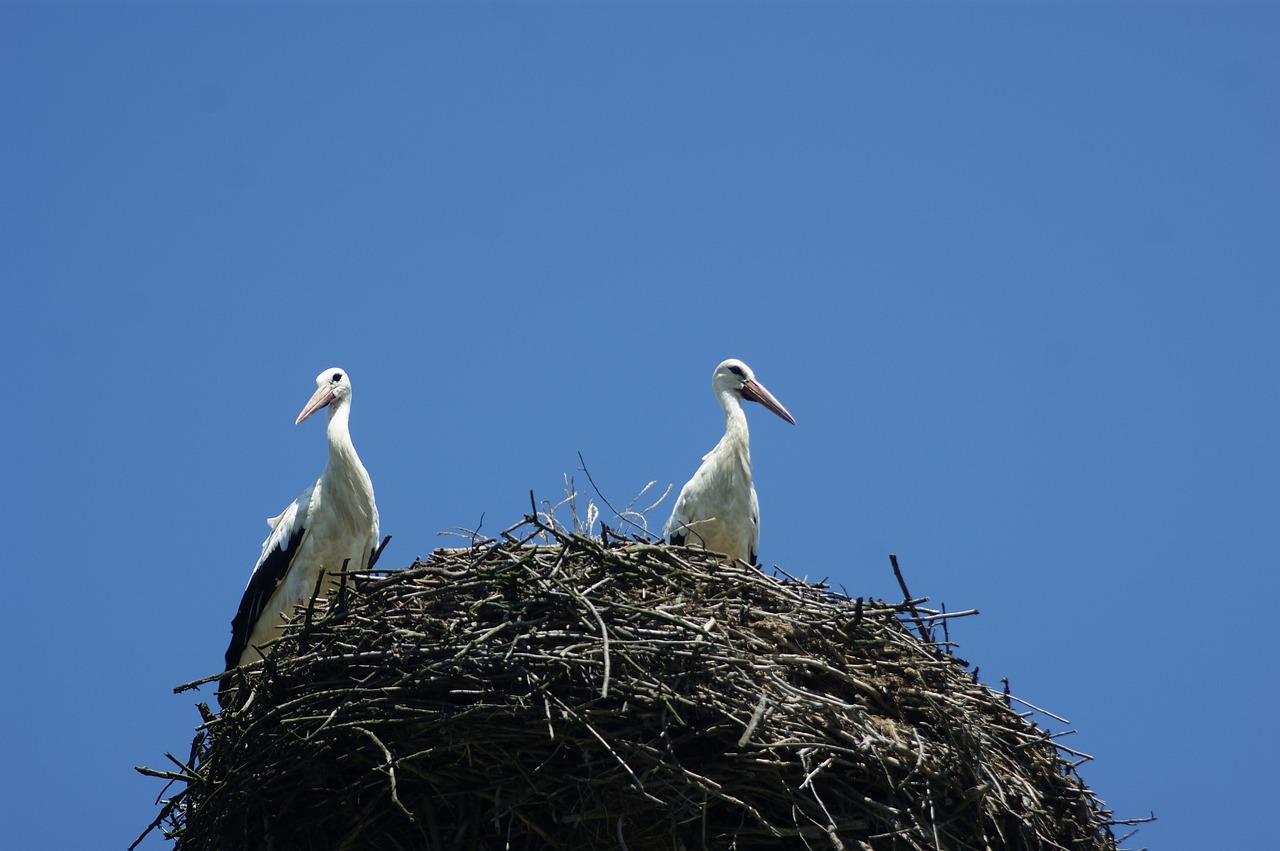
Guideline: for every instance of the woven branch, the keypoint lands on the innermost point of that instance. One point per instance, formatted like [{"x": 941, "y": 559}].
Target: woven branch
[{"x": 572, "y": 694}]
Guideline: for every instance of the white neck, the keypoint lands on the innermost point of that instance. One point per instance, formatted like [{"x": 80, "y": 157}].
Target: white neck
[
  {"x": 736, "y": 436},
  {"x": 342, "y": 452}
]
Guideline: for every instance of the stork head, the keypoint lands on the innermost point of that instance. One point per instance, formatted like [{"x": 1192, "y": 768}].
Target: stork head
[
  {"x": 332, "y": 385},
  {"x": 735, "y": 377}
]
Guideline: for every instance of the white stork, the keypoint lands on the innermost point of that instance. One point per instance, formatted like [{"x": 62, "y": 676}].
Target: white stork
[
  {"x": 332, "y": 522},
  {"x": 717, "y": 509}
]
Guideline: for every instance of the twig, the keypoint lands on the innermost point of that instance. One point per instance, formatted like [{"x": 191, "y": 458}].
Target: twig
[
  {"x": 605, "y": 499},
  {"x": 1030, "y": 705},
  {"x": 906, "y": 596},
  {"x": 377, "y": 552},
  {"x": 1131, "y": 821}
]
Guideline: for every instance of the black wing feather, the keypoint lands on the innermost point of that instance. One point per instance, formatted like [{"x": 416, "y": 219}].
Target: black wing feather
[{"x": 261, "y": 586}]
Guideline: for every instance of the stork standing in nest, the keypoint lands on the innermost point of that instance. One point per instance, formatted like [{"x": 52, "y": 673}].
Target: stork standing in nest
[
  {"x": 334, "y": 522},
  {"x": 717, "y": 509}
]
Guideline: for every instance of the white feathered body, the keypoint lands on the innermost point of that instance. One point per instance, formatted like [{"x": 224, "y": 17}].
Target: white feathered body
[
  {"x": 717, "y": 509},
  {"x": 338, "y": 521}
]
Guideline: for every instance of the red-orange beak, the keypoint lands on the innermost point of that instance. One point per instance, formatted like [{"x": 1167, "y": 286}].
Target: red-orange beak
[
  {"x": 754, "y": 391},
  {"x": 322, "y": 397}
]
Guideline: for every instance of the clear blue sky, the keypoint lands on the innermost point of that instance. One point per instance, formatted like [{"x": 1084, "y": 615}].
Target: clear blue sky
[{"x": 1013, "y": 267}]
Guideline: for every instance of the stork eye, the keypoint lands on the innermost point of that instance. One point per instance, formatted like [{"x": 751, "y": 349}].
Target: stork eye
[
  {"x": 737, "y": 370},
  {"x": 337, "y": 376}
]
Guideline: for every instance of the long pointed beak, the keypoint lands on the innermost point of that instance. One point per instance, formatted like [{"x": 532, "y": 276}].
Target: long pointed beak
[
  {"x": 322, "y": 397},
  {"x": 754, "y": 391}
]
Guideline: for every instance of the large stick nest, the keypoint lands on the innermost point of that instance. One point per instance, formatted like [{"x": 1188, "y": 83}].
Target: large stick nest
[{"x": 552, "y": 691}]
